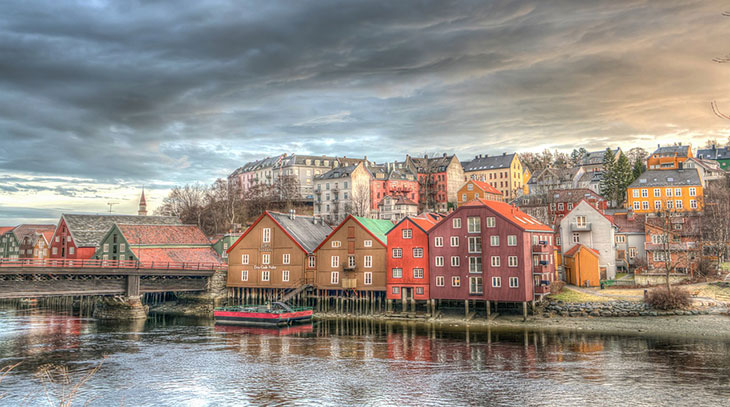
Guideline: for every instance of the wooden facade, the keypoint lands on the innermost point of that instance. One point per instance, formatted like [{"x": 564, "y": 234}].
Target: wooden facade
[
  {"x": 581, "y": 266},
  {"x": 353, "y": 256},
  {"x": 475, "y": 189},
  {"x": 408, "y": 259},
  {"x": 487, "y": 250}
]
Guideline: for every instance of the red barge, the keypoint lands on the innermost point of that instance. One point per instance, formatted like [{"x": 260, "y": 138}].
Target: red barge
[{"x": 277, "y": 314}]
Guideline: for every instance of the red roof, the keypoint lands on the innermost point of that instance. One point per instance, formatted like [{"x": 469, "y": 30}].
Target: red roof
[
  {"x": 163, "y": 234},
  {"x": 573, "y": 250},
  {"x": 425, "y": 223},
  {"x": 4, "y": 229},
  {"x": 48, "y": 235},
  {"x": 485, "y": 187},
  {"x": 177, "y": 255},
  {"x": 512, "y": 214}
]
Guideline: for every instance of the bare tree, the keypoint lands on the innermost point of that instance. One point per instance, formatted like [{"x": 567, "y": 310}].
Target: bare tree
[
  {"x": 360, "y": 199},
  {"x": 667, "y": 229},
  {"x": 286, "y": 190},
  {"x": 187, "y": 203},
  {"x": 716, "y": 220}
]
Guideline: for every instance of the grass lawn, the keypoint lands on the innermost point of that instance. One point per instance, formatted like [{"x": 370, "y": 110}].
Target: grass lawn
[
  {"x": 712, "y": 291},
  {"x": 621, "y": 275},
  {"x": 570, "y": 295}
]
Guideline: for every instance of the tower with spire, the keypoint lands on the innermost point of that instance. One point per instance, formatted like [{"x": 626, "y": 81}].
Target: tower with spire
[{"x": 142, "y": 205}]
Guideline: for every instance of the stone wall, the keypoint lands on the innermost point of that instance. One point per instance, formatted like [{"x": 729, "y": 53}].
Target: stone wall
[{"x": 657, "y": 279}]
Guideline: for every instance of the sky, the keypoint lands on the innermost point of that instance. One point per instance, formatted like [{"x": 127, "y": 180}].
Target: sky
[{"x": 98, "y": 99}]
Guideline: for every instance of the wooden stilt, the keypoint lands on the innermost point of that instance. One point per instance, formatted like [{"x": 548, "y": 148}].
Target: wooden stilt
[
  {"x": 524, "y": 311},
  {"x": 466, "y": 308},
  {"x": 489, "y": 310}
]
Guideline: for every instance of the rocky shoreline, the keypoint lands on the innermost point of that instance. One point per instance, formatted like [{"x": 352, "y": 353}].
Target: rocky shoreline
[{"x": 622, "y": 309}]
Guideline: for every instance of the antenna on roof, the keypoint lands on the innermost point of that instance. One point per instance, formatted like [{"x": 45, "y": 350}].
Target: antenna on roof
[{"x": 111, "y": 204}]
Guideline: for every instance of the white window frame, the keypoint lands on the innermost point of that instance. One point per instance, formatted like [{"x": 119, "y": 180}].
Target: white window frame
[
  {"x": 456, "y": 223},
  {"x": 244, "y": 259},
  {"x": 285, "y": 258},
  {"x": 397, "y": 272},
  {"x": 418, "y": 252},
  {"x": 440, "y": 281},
  {"x": 454, "y": 241},
  {"x": 265, "y": 258},
  {"x": 335, "y": 261},
  {"x": 496, "y": 261},
  {"x": 265, "y": 275},
  {"x": 474, "y": 224},
  {"x": 514, "y": 282},
  {"x": 491, "y": 222},
  {"x": 438, "y": 241},
  {"x": 455, "y": 281},
  {"x": 455, "y": 261},
  {"x": 312, "y": 261},
  {"x": 244, "y": 275},
  {"x": 397, "y": 253},
  {"x": 335, "y": 277},
  {"x": 678, "y": 204},
  {"x": 418, "y": 273},
  {"x": 367, "y": 243},
  {"x": 494, "y": 240},
  {"x": 285, "y": 276},
  {"x": 473, "y": 263},
  {"x": 106, "y": 248},
  {"x": 657, "y": 192},
  {"x": 368, "y": 262},
  {"x": 496, "y": 282},
  {"x": 512, "y": 261},
  {"x": 475, "y": 244},
  {"x": 336, "y": 243},
  {"x": 407, "y": 233},
  {"x": 692, "y": 191},
  {"x": 439, "y": 261},
  {"x": 368, "y": 278},
  {"x": 266, "y": 235},
  {"x": 511, "y": 240}
]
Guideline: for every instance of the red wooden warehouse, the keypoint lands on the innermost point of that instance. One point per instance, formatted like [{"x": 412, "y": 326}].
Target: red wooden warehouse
[{"x": 490, "y": 251}]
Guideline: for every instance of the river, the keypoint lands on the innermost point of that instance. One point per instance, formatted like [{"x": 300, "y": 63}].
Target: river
[{"x": 175, "y": 361}]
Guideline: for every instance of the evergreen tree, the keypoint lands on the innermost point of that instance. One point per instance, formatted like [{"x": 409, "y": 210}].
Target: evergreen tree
[
  {"x": 608, "y": 182},
  {"x": 576, "y": 156},
  {"x": 638, "y": 169},
  {"x": 623, "y": 177}
]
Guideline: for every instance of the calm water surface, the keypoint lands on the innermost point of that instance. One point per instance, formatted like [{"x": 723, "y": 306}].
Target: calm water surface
[{"x": 168, "y": 361}]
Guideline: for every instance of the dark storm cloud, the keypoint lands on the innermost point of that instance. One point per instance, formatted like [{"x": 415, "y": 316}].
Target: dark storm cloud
[{"x": 156, "y": 91}]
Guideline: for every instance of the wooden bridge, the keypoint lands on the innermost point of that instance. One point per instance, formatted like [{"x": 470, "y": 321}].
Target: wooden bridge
[{"x": 22, "y": 278}]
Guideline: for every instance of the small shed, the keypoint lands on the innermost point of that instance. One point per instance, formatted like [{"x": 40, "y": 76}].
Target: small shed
[{"x": 581, "y": 266}]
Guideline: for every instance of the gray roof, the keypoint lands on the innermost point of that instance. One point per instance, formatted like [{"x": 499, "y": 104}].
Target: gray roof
[
  {"x": 21, "y": 231},
  {"x": 596, "y": 157},
  {"x": 662, "y": 178},
  {"x": 338, "y": 172},
  {"x": 88, "y": 230},
  {"x": 670, "y": 151},
  {"x": 303, "y": 229},
  {"x": 714, "y": 153},
  {"x": 486, "y": 162}
]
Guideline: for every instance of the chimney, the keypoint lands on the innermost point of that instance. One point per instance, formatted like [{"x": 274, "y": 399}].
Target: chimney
[{"x": 503, "y": 154}]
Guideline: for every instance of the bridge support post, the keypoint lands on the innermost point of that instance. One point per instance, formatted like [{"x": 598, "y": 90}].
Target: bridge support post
[{"x": 120, "y": 308}]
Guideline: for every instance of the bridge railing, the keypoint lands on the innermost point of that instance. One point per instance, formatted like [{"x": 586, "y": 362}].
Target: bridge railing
[{"x": 93, "y": 263}]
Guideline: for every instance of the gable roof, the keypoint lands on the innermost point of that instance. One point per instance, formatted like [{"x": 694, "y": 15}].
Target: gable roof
[
  {"x": 596, "y": 157},
  {"x": 176, "y": 235},
  {"x": 21, "y": 231},
  {"x": 670, "y": 151},
  {"x": 573, "y": 195},
  {"x": 661, "y": 178},
  {"x": 429, "y": 164},
  {"x": 5, "y": 229},
  {"x": 574, "y": 250},
  {"x": 486, "y": 162},
  {"x": 377, "y": 227},
  {"x": 714, "y": 153},
  {"x": 628, "y": 225},
  {"x": 485, "y": 187},
  {"x": 186, "y": 254},
  {"x": 511, "y": 214},
  {"x": 422, "y": 222},
  {"x": 302, "y": 229},
  {"x": 587, "y": 204},
  {"x": 88, "y": 230},
  {"x": 48, "y": 235}
]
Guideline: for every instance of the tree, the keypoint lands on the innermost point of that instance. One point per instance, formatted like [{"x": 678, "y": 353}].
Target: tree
[
  {"x": 622, "y": 178},
  {"x": 666, "y": 238},
  {"x": 608, "y": 183},
  {"x": 638, "y": 169},
  {"x": 716, "y": 220},
  {"x": 186, "y": 203},
  {"x": 361, "y": 199},
  {"x": 637, "y": 154},
  {"x": 577, "y": 155}
]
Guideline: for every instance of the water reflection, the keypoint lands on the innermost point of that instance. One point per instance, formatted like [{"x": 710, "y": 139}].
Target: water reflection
[{"x": 178, "y": 360}]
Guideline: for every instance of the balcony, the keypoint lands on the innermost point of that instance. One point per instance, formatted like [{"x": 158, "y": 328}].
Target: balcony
[
  {"x": 541, "y": 247},
  {"x": 349, "y": 267},
  {"x": 541, "y": 269},
  {"x": 349, "y": 283},
  {"x": 542, "y": 289},
  {"x": 583, "y": 227}
]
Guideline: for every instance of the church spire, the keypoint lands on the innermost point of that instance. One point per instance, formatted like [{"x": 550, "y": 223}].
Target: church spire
[{"x": 142, "y": 205}]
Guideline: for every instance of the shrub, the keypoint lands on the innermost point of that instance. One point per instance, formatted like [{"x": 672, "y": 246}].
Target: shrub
[
  {"x": 660, "y": 298},
  {"x": 556, "y": 286}
]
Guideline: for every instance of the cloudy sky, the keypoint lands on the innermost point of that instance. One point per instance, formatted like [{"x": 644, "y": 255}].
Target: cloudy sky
[{"x": 99, "y": 98}]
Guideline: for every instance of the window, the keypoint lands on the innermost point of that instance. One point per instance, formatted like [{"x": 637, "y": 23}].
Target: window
[
  {"x": 266, "y": 235},
  {"x": 54, "y": 250},
  {"x": 463, "y": 197},
  {"x": 576, "y": 237},
  {"x": 265, "y": 258},
  {"x": 105, "y": 257},
  {"x": 367, "y": 243},
  {"x": 407, "y": 233},
  {"x": 285, "y": 258},
  {"x": 632, "y": 252},
  {"x": 122, "y": 247},
  {"x": 265, "y": 275},
  {"x": 494, "y": 241},
  {"x": 514, "y": 282},
  {"x": 419, "y": 290},
  {"x": 656, "y": 239},
  {"x": 512, "y": 261},
  {"x": 368, "y": 262},
  {"x": 469, "y": 187},
  {"x": 456, "y": 281},
  {"x": 106, "y": 247},
  {"x": 693, "y": 191},
  {"x": 335, "y": 277},
  {"x": 475, "y": 264},
  {"x": 644, "y": 193},
  {"x": 57, "y": 239},
  {"x": 693, "y": 204},
  {"x": 570, "y": 206},
  {"x": 580, "y": 220},
  {"x": 456, "y": 223},
  {"x": 439, "y": 260},
  {"x": 438, "y": 241},
  {"x": 244, "y": 259},
  {"x": 454, "y": 241},
  {"x": 560, "y": 206},
  {"x": 440, "y": 281},
  {"x": 635, "y": 193},
  {"x": 418, "y": 252},
  {"x": 678, "y": 204},
  {"x": 351, "y": 261},
  {"x": 335, "y": 261},
  {"x": 397, "y": 273},
  {"x": 454, "y": 261},
  {"x": 285, "y": 275},
  {"x": 312, "y": 261},
  {"x": 637, "y": 205},
  {"x": 475, "y": 285},
  {"x": 68, "y": 238},
  {"x": 474, "y": 224},
  {"x": 659, "y": 256},
  {"x": 397, "y": 253},
  {"x": 475, "y": 244},
  {"x": 496, "y": 260},
  {"x": 677, "y": 191},
  {"x": 418, "y": 273},
  {"x": 657, "y": 205},
  {"x": 491, "y": 222},
  {"x": 496, "y": 282},
  {"x": 512, "y": 240},
  {"x": 244, "y": 275},
  {"x": 396, "y": 290},
  {"x": 71, "y": 250},
  {"x": 645, "y": 205},
  {"x": 620, "y": 238},
  {"x": 368, "y": 277},
  {"x": 336, "y": 243}
]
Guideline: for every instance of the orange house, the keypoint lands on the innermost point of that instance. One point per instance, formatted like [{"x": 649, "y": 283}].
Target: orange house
[
  {"x": 581, "y": 266},
  {"x": 666, "y": 191},
  {"x": 474, "y": 189},
  {"x": 669, "y": 158}
]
